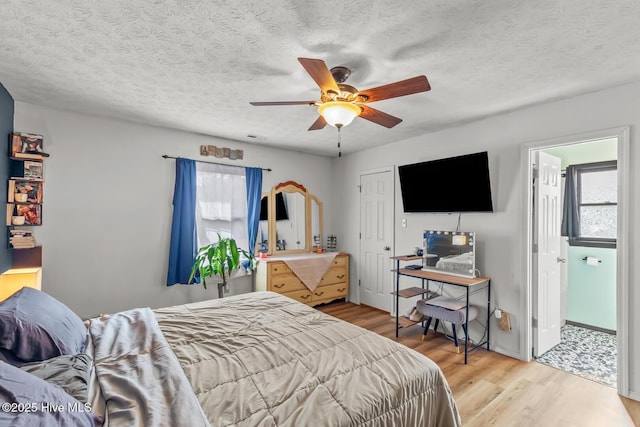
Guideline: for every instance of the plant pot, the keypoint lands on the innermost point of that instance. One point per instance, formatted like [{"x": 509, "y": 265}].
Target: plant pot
[{"x": 220, "y": 290}]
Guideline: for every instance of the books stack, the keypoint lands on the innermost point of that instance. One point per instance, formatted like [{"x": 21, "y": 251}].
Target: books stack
[{"x": 22, "y": 239}]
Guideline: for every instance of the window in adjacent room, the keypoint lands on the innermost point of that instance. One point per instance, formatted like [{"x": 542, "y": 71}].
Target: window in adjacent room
[{"x": 597, "y": 200}]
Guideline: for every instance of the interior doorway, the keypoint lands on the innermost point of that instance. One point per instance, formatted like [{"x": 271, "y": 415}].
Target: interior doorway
[{"x": 573, "y": 259}]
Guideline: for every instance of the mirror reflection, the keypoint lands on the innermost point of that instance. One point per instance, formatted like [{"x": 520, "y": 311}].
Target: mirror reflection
[
  {"x": 262, "y": 241},
  {"x": 290, "y": 219},
  {"x": 450, "y": 252}
]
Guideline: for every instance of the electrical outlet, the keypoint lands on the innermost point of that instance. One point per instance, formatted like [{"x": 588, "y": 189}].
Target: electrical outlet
[
  {"x": 404, "y": 222},
  {"x": 504, "y": 322}
]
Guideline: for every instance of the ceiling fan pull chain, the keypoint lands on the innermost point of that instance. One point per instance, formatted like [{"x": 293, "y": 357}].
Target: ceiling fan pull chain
[{"x": 339, "y": 140}]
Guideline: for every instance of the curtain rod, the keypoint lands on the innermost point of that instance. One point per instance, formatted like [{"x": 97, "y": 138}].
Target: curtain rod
[{"x": 165, "y": 156}]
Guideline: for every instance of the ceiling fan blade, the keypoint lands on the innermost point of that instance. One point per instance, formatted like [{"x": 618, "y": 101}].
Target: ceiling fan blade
[
  {"x": 320, "y": 73},
  {"x": 262, "y": 104},
  {"x": 378, "y": 117},
  {"x": 318, "y": 124},
  {"x": 393, "y": 90}
]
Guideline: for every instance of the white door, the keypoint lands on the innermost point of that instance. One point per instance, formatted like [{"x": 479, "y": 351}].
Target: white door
[
  {"x": 376, "y": 239},
  {"x": 546, "y": 259}
]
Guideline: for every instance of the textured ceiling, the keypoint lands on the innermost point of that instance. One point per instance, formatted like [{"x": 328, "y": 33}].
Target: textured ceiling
[{"x": 195, "y": 65}]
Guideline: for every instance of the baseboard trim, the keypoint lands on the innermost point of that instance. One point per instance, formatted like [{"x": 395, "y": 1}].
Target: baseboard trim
[
  {"x": 508, "y": 353},
  {"x": 593, "y": 328},
  {"x": 634, "y": 396}
]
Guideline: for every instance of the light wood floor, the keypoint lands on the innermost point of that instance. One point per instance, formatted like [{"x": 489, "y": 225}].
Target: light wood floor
[{"x": 496, "y": 390}]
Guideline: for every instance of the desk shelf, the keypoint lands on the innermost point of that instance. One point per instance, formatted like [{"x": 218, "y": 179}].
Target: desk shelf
[
  {"x": 405, "y": 322},
  {"x": 414, "y": 292},
  {"x": 425, "y": 277}
]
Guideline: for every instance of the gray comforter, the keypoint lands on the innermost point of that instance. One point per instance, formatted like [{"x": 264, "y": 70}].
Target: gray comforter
[{"x": 262, "y": 359}]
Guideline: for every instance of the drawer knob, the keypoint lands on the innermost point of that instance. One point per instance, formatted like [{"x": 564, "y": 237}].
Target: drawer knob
[
  {"x": 278, "y": 286},
  {"x": 318, "y": 293},
  {"x": 340, "y": 276},
  {"x": 341, "y": 289},
  {"x": 305, "y": 296}
]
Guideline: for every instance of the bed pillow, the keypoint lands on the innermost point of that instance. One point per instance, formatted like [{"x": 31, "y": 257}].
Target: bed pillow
[
  {"x": 71, "y": 372},
  {"x": 29, "y": 401},
  {"x": 9, "y": 357},
  {"x": 34, "y": 326}
]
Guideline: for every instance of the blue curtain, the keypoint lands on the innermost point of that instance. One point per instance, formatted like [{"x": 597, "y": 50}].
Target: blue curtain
[
  {"x": 182, "y": 250},
  {"x": 253, "y": 178}
]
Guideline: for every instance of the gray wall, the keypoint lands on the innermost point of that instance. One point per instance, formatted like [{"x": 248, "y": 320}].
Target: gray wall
[
  {"x": 6, "y": 128},
  {"x": 499, "y": 235}
]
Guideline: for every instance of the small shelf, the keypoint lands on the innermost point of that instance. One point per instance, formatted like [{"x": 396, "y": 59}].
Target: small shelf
[
  {"x": 26, "y": 178},
  {"x": 27, "y": 257},
  {"x": 26, "y": 203},
  {"x": 25, "y": 156},
  {"x": 404, "y": 322},
  {"x": 414, "y": 291}
]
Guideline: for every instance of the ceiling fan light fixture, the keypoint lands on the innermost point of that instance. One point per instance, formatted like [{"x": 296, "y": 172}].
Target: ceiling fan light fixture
[{"x": 339, "y": 113}]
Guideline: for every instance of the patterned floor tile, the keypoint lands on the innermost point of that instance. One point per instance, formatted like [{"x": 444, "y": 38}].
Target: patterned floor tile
[{"x": 584, "y": 352}]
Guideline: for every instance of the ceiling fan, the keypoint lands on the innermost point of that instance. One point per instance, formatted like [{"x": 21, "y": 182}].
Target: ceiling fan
[{"x": 340, "y": 103}]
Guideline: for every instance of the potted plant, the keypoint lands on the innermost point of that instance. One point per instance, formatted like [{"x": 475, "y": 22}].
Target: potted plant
[{"x": 218, "y": 259}]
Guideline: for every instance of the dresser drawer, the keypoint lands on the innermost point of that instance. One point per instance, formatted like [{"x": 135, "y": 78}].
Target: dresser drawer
[
  {"x": 302, "y": 296},
  {"x": 285, "y": 282},
  {"x": 279, "y": 268},
  {"x": 330, "y": 292},
  {"x": 340, "y": 260},
  {"x": 334, "y": 275}
]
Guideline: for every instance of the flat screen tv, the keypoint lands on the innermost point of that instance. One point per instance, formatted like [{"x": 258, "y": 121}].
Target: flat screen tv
[
  {"x": 450, "y": 252},
  {"x": 454, "y": 184}
]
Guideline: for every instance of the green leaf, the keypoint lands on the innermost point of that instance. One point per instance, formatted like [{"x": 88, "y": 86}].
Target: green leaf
[{"x": 218, "y": 259}]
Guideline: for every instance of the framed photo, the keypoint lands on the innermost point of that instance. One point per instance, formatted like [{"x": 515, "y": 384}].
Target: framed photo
[
  {"x": 33, "y": 190},
  {"x": 22, "y": 142},
  {"x": 32, "y": 214},
  {"x": 32, "y": 169}
]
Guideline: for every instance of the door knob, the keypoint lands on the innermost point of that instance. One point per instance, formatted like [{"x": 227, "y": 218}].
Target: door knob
[
  {"x": 386, "y": 248},
  {"x": 558, "y": 259}
]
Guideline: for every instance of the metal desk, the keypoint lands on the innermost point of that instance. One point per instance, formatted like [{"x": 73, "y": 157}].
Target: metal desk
[{"x": 448, "y": 279}]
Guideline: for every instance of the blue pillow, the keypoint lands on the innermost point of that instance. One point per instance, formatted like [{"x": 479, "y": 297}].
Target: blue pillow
[
  {"x": 27, "y": 400},
  {"x": 34, "y": 326}
]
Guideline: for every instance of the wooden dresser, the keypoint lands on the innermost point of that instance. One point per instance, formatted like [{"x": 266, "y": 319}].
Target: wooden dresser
[{"x": 273, "y": 274}]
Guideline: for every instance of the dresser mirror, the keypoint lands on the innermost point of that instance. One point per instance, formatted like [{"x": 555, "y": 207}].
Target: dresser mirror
[{"x": 290, "y": 220}]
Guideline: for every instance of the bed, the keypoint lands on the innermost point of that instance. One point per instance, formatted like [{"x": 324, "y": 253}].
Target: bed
[{"x": 258, "y": 359}]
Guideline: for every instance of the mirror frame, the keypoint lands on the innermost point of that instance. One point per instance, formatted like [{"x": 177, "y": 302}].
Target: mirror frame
[
  {"x": 291, "y": 187},
  {"x": 310, "y": 199}
]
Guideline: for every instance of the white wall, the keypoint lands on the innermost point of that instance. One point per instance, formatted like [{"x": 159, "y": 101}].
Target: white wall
[
  {"x": 107, "y": 206},
  {"x": 500, "y": 253}
]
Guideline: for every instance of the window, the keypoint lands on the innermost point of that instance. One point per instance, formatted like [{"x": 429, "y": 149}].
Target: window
[
  {"x": 221, "y": 204},
  {"x": 209, "y": 199},
  {"x": 597, "y": 198}
]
